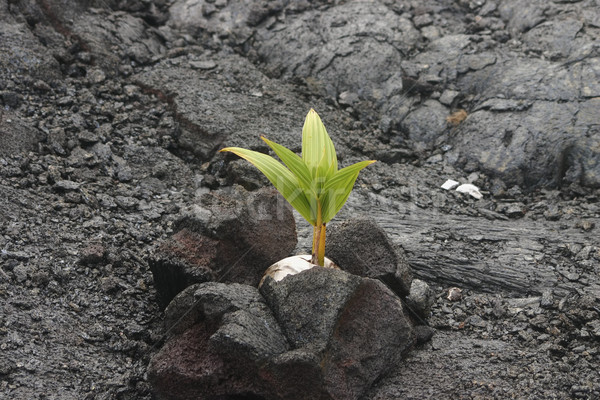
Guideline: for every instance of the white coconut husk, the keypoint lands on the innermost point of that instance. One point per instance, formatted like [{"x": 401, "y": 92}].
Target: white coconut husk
[{"x": 292, "y": 266}]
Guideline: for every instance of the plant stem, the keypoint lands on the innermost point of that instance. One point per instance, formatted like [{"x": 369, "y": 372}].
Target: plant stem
[
  {"x": 314, "y": 242},
  {"x": 321, "y": 250},
  {"x": 318, "y": 245}
]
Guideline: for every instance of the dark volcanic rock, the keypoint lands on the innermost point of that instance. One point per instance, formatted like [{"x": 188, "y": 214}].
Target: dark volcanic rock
[
  {"x": 220, "y": 335},
  {"x": 339, "y": 334},
  {"x": 190, "y": 367},
  {"x": 234, "y": 239},
  {"x": 339, "y": 49},
  {"x": 16, "y": 136},
  {"x": 209, "y": 102},
  {"x": 116, "y": 115},
  {"x": 23, "y": 54},
  {"x": 299, "y": 307},
  {"x": 361, "y": 247},
  {"x": 420, "y": 299},
  {"x": 182, "y": 260},
  {"x": 358, "y": 54},
  {"x": 370, "y": 337}
]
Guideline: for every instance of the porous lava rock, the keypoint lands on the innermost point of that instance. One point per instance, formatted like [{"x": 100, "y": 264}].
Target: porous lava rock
[
  {"x": 319, "y": 334},
  {"x": 360, "y": 246},
  {"x": 229, "y": 237},
  {"x": 219, "y": 335}
]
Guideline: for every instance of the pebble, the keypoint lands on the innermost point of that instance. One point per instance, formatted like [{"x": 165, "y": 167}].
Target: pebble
[
  {"x": 454, "y": 294},
  {"x": 66, "y": 185},
  {"x": 514, "y": 210},
  {"x": 21, "y": 272},
  {"x": 547, "y": 300},
  {"x": 96, "y": 76},
  {"x": 203, "y": 65}
]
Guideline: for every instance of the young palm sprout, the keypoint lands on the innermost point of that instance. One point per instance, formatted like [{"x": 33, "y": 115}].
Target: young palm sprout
[{"x": 312, "y": 184}]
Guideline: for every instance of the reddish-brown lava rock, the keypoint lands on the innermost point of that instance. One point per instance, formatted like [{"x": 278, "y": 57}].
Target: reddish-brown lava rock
[
  {"x": 182, "y": 260},
  {"x": 231, "y": 237},
  {"x": 189, "y": 364}
]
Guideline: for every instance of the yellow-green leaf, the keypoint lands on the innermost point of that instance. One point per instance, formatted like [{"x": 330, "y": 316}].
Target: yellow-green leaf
[
  {"x": 318, "y": 151},
  {"x": 338, "y": 188},
  {"x": 292, "y": 161},
  {"x": 282, "y": 178}
]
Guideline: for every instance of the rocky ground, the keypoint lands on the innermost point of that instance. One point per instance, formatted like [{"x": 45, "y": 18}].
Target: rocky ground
[{"x": 112, "y": 113}]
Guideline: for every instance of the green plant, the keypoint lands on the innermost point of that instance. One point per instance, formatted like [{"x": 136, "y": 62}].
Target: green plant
[{"x": 312, "y": 184}]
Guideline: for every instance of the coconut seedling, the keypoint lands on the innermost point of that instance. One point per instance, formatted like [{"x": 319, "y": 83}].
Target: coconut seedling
[{"x": 312, "y": 184}]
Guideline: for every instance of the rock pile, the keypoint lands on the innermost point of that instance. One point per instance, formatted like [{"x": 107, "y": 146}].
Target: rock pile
[{"x": 323, "y": 333}]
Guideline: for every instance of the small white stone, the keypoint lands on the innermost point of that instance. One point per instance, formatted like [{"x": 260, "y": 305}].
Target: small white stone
[
  {"x": 449, "y": 184},
  {"x": 470, "y": 189}
]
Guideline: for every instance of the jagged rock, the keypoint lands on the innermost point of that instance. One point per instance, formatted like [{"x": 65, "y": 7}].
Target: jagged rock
[
  {"x": 23, "y": 54},
  {"x": 220, "y": 335},
  {"x": 320, "y": 334},
  {"x": 204, "y": 105},
  {"x": 361, "y": 247},
  {"x": 331, "y": 48},
  {"x": 182, "y": 260},
  {"x": 16, "y": 136},
  {"x": 298, "y": 304},
  {"x": 233, "y": 238}
]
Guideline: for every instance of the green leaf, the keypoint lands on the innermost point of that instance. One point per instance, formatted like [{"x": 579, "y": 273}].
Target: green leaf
[
  {"x": 338, "y": 188},
  {"x": 284, "y": 181},
  {"x": 318, "y": 151},
  {"x": 292, "y": 161}
]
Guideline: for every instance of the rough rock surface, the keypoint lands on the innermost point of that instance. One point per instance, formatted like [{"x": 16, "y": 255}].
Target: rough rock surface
[
  {"x": 364, "y": 51},
  {"x": 227, "y": 238},
  {"x": 320, "y": 334},
  {"x": 361, "y": 247},
  {"x": 114, "y": 148},
  {"x": 219, "y": 335}
]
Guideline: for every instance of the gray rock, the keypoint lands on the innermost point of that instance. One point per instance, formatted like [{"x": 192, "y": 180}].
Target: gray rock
[
  {"x": 370, "y": 337},
  {"x": 555, "y": 39},
  {"x": 66, "y": 185},
  {"x": 427, "y": 123},
  {"x": 522, "y": 16},
  {"x": 10, "y": 99},
  {"x": 244, "y": 334},
  {"x": 361, "y": 247},
  {"x": 16, "y": 136},
  {"x": 333, "y": 49},
  {"x": 204, "y": 65},
  {"x": 420, "y": 299},
  {"x": 307, "y": 305},
  {"x": 448, "y": 96},
  {"x": 504, "y": 144},
  {"x": 21, "y": 53},
  {"x": 21, "y": 273},
  {"x": 224, "y": 19},
  {"x": 212, "y": 301},
  {"x": 210, "y": 102},
  {"x": 110, "y": 37},
  {"x": 583, "y": 162}
]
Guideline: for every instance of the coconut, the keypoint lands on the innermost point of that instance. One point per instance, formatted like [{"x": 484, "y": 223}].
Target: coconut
[{"x": 292, "y": 266}]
